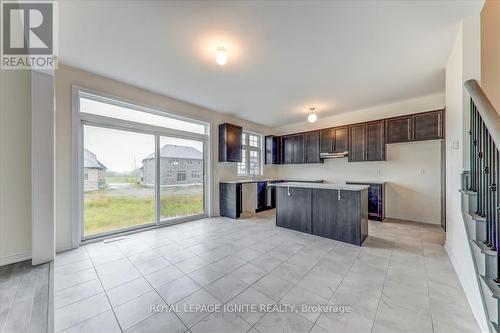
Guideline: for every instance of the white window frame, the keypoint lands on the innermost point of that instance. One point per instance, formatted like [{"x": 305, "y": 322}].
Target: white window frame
[
  {"x": 79, "y": 119},
  {"x": 246, "y": 148}
]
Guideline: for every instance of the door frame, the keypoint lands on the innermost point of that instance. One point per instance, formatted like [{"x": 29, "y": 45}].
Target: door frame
[{"x": 77, "y": 174}]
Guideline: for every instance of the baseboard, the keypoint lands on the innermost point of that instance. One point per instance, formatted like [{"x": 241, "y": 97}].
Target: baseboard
[{"x": 13, "y": 258}]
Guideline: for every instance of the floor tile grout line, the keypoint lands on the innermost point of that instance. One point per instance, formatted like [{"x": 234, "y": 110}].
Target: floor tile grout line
[
  {"x": 13, "y": 299},
  {"x": 157, "y": 293},
  {"x": 109, "y": 302},
  {"x": 382, "y": 291}
]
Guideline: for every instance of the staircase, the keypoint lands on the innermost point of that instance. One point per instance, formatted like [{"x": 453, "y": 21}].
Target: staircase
[{"x": 480, "y": 199}]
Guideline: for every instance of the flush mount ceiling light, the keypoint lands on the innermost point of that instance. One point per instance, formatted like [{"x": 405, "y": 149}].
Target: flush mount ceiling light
[
  {"x": 221, "y": 56},
  {"x": 312, "y": 117}
]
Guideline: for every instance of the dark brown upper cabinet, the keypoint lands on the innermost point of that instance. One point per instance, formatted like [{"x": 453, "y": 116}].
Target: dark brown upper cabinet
[
  {"x": 366, "y": 142},
  {"x": 334, "y": 140},
  {"x": 375, "y": 141},
  {"x": 326, "y": 137},
  {"x": 398, "y": 129},
  {"x": 298, "y": 149},
  {"x": 341, "y": 139},
  {"x": 230, "y": 142},
  {"x": 293, "y": 149},
  {"x": 287, "y": 143},
  {"x": 357, "y": 142},
  {"x": 273, "y": 149},
  {"x": 312, "y": 147},
  {"x": 427, "y": 126}
]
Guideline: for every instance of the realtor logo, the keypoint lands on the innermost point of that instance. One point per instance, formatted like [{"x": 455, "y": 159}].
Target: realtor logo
[{"x": 28, "y": 34}]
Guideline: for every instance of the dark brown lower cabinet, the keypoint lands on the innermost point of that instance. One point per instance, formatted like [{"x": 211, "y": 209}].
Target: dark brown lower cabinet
[
  {"x": 230, "y": 200},
  {"x": 293, "y": 208},
  {"x": 376, "y": 199}
]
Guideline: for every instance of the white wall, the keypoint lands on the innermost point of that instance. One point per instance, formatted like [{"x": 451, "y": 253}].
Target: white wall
[
  {"x": 462, "y": 65},
  {"x": 15, "y": 166},
  {"x": 412, "y": 170},
  {"x": 66, "y": 77}
]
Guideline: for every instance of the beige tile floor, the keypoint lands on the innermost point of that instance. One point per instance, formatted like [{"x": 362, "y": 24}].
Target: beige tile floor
[{"x": 400, "y": 280}]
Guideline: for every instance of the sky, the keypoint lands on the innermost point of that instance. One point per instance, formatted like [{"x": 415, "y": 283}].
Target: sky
[{"x": 123, "y": 151}]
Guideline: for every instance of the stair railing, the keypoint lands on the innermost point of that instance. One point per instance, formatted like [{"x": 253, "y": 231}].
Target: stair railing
[{"x": 484, "y": 163}]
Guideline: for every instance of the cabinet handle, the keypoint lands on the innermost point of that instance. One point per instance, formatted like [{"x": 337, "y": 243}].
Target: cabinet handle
[
  {"x": 288, "y": 189},
  {"x": 339, "y": 197}
]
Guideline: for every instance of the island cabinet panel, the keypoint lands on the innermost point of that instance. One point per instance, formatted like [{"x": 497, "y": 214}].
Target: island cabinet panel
[
  {"x": 427, "y": 126},
  {"x": 340, "y": 217},
  {"x": 294, "y": 209},
  {"x": 325, "y": 209},
  {"x": 357, "y": 143},
  {"x": 312, "y": 147},
  {"x": 398, "y": 129},
  {"x": 375, "y": 141},
  {"x": 341, "y": 139}
]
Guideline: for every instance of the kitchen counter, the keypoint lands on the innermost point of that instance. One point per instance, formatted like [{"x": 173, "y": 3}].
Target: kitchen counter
[
  {"x": 249, "y": 181},
  {"x": 326, "y": 186}
]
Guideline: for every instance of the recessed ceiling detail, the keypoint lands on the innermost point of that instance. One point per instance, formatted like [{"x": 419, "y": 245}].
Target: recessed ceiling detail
[{"x": 283, "y": 56}]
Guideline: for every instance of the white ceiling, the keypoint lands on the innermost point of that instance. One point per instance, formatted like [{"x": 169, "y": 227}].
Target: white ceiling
[{"x": 284, "y": 56}]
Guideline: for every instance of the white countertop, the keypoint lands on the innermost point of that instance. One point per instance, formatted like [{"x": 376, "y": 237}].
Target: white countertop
[
  {"x": 247, "y": 181},
  {"x": 326, "y": 186}
]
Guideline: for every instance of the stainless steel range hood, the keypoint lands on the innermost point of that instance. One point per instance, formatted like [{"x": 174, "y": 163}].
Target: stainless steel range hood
[{"x": 334, "y": 155}]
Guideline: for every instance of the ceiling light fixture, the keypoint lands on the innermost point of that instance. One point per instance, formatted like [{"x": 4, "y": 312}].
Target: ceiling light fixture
[
  {"x": 312, "y": 117},
  {"x": 221, "y": 56}
]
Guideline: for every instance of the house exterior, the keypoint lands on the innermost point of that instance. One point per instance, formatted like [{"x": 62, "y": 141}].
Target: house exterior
[
  {"x": 94, "y": 172},
  {"x": 178, "y": 165}
]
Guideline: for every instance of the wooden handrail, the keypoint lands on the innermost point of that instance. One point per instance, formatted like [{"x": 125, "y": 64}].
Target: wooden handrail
[{"x": 490, "y": 116}]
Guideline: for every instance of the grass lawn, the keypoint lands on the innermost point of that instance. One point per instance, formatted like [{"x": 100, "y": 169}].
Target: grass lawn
[{"x": 112, "y": 209}]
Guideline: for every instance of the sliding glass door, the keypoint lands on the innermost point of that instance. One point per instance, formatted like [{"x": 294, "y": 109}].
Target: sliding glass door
[
  {"x": 116, "y": 196},
  {"x": 121, "y": 150},
  {"x": 181, "y": 178}
]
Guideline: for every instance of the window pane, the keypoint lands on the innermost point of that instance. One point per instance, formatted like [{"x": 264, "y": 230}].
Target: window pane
[
  {"x": 115, "y": 195},
  {"x": 181, "y": 184},
  {"x": 242, "y": 166},
  {"x": 114, "y": 111},
  {"x": 253, "y": 140}
]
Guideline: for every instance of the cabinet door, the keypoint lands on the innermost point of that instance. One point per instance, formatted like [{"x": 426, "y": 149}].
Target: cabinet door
[
  {"x": 288, "y": 149},
  {"x": 293, "y": 209},
  {"x": 326, "y": 140},
  {"x": 261, "y": 195},
  {"x": 357, "y": 143},
  {"x": 398, "y": 129},
  {"x": 230, "y": 143},
  {"x": 269, "y": 149},
  {"x": 375, "y": 144},
  {"x": 341, "y": 136},
  {"x": 298, "y": 149},
  {"x": 428, "y": 126},
  {"x": 312, "y": 147}
]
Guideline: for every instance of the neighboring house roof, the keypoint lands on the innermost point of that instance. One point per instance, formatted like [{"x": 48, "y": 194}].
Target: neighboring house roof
[
  {"x": 91, "y": 161},
  {"x": 173, "y": 151}
]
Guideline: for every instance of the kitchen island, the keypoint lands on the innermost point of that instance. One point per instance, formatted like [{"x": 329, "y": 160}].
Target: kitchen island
[{"x": 335, "y": 211}]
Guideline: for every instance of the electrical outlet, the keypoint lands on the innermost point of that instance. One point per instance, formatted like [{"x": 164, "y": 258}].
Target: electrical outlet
[
  {"x": 379, "y": 172},
  {"x": 422, "y": 172},
  {"x": 455, "y": 145}
]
